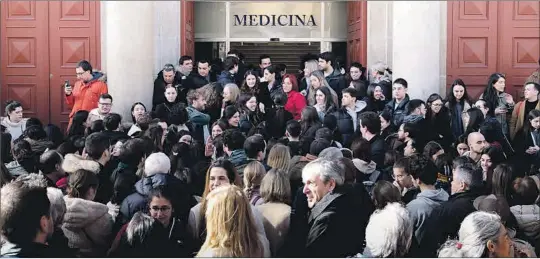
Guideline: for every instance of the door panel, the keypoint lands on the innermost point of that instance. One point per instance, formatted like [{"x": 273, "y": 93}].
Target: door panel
[
  {"x": 24, "y": 68},
  {"x": 187, "y": 29},
  {"x": 357, "y": 32},
  {"x": 73, "y": 37}
]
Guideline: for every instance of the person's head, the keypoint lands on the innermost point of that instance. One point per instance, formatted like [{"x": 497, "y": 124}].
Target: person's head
[
  {"x": 473, "y": 119},
  {"x": 399, "y": 88},
  {"x": 220, "y": 173},
  {"x": 310, "y": 66},
  {"x": 35, "y": 133},
  {"x": 171, "y": 94},
  {"x": 384, "y": 192},
  {"x": 412, "y": 147},
  {"x": 203, "y": 67},
  {"x": 458, "y": 92},
  {"x": 105, "y": 103},
  {"x": 145, "y": 236},
  {"x": 270, "y": 73},
  {"x": 402, "y": 172},
  {"x": 534, "y": 119},
  {"x": 21, "y": 150},
  {"x": 264, "y": 61},
  {"x": 133, "y": 151},
  {"x": 491, "y": 157},
  {"x": 112, "y": 121},
  {"x": 361, "y": 149},
  {"x": 78, "y": 123},
  {"x": 497, "y": 81},
  {"x": 25, "y": 216},
  {"x": 168, "y": 71},
  {"x": 423, "y": 170},
  {"x": 279, "y": 157},
  {"x": 323, "y": 96},
  {"x": 231, "y": 64},
  {"x": 231, "y": 116},
  {"x": 369, "y": 123},
  {"x": 531, "y": 91},
  {"x": 386, "y": 119},
  {"x": 14, "y": 111},
  {"x": 317, "y": 79},
  {"x": 290, "y": 83},
  {"x": 389, "y": 232},
  {"x": 161, "y": 204},
  {"x": 309, "y": 115},
  {"x": 483, "y": 106},
  {"x": 477, "y": 143},
  {"x": 196, "y": 99},
  {"x": 247, "y": 102},
  {"x": 157, "y": 163},
  {"x": 349, "y": 97},
  {"x": 230, "y": 93},
  {"x": 327, "y": 60},
  {"x": 501, "y": 182},
  {"x": 96, "y": 147},
  {"x": 321, "y": 177},
  {"x": 233, "y": 140},
  {"x": 84, "y": 71},
  {"x": 481, "y": 234},
  {"x": 417, "y": 107},
  {"x": 526, "y": 191},
  {"x": 251, "y": 79},
  {"x": 356, "y": 71},
  {"x": 253, "y": 175},
  {"x": 374, "y": 91},
  {"x": 50, "y": 164},
  {"x": 186, "y": 63},
  {"x": 317, "y": 146},
  {"x": 276, "y": 187},
  {"x": 332, "y": 153},
  {"x": 434, "y": 104},
  {"x": 58, "y": 205},
  {"x": 82, "y": 184},
  {"x": 465, "y": 177},
  {"x": 137, "y": 110},
  {"x": 293, "y": 129},
  {"x": 218, "y": 128},
  {"x": 432, "y": 150},
  {"x": 255, "y": 147},
  {"x": 230, "y": 225}
]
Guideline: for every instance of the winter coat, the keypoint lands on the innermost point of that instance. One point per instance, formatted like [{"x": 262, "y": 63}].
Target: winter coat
[
  {"x": 15, "y": 129},
  {"x": 39, "y": 146},
  {"x": 87, "y": 225},
  {"x": 337, "y": 81},
  {"x": 296, "y": 102},
  {"x": 295, "y": 171},
  {"x": 503, "y": 118},
  {"x": 32, "y": 250},
  {"x": 519, "y": 118},
  {"x": 200, "y": 122},
  {"x": 276, "y": 220},
  {"x": 163, "y": 111},
  {"x": 456, "y": 119},
  {"x": 195, "y": 80},
  {"x": 15, "y": 169},
  {"x": 439, "y": 126},
  {"x": 378, "y": 151},
  {"x": 370, "y": 174},
  {"x": 123, "y": 179},
  {"x": 158, "y": 96},
  {"x": 85, "y": 96},
  {"x": 225, "y": 78},
  {"x": 373, "y": 105},
  {"x": 238, "y": 157},
  {"x": 276, "y": 89},
  {"x": 445, "y": 220},
  {"x": 94, "y": 115},
  {"x": 347, "y": 121},
  {"x": 421, "y": 208},
  {"x": 528, "y": 219},
  {"x": 398, "y": 113}
]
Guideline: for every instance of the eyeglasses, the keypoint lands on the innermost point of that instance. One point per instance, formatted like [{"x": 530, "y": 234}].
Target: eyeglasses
[
  {"x": 162, "y": 209},
  {"x": 81, "y": 73}
]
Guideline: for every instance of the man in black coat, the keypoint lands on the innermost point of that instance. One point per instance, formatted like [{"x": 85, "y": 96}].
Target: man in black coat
[
  {"x": 400, "y": 99},
  {"x": 370, "y": 127},
  {"x": 328, "y": 65},
  {"x": 168, "y": 76},
  {"x": 334, "y": 225},
  {"x": 445, "y": 221},
  {"x": 199, "y": 78}
]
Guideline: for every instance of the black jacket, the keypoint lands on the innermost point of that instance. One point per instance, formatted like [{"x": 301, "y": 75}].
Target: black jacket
[
  {"x": 195, "y": 80},
  {"x": 337, "y": 82},
  {"x": 446, "y": 219},
  {"x": 225, "y": 78},
  {"x": 397, "y": 113},
  {"x": 345, "y": 126},
  {"x": 374, "y": 105},
  {"x": 32, "y": 250},
  {"x": 163, "y": 111},
  {"x": 158, "y": 96},
  {"x": 439, "y": 127},
  {"x": 377, "y": 151}
]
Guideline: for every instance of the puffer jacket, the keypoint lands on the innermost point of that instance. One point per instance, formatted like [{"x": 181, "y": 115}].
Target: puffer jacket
[
  {"x": 73, "y": 163},
  {"x": 224, "y": 78},
  {"x": 399, "y": 112},
  {"x": 85, "y": 95},
  {"x": 528, "y": 218},
  {"x": 87, "y": 226},
  {"x": 348, "y": 126},
  {"x": 337, "y": 81}
]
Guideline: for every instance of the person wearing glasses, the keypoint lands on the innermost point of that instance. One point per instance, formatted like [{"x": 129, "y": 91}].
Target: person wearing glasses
[
  {"x": 104, "y": 107},
  {"x": 167, "y": 77},
  {"x": 86, "y": 92}
]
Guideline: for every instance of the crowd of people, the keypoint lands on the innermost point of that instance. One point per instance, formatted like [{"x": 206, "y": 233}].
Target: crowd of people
[{"x": 240, "y": 160}]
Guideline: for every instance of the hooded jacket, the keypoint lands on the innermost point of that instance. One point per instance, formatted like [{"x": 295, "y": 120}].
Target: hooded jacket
[
  {"x": 73, "y": 163},
  {"x": 296, "y": 102},
  {"x": 87, "y": 226},
  {"x": 421, "y": 207},
  {"x": 85, "y": 95}
]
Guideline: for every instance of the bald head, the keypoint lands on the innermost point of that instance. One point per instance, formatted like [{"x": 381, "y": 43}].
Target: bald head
[{"x": 476, "y": 142}]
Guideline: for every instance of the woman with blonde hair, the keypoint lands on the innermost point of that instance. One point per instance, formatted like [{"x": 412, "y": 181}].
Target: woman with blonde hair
[
  {"x": 279, "y": 157},
  {"x": 318, "y": 80},
  {"x": 253, "y": 175},
  {"x": 309, "y": 66},
  {"x": 230, "y": 94},
  {"x": 276, "y": 192},
  {"x": 231, "y": 229}
]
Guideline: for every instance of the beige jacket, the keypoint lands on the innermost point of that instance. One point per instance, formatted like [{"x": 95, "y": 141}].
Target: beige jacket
[
  {"x": 518, "y": 118},
  {"x": 276, "y": 220}
]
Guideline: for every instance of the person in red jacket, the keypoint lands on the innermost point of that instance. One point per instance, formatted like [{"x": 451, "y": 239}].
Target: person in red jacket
[
  {"x": 89, "y": 87},
  {"x": 296, "y": 102}
]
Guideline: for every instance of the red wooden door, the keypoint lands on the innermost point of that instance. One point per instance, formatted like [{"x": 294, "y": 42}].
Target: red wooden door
[
  {"x": 25, "y": 67},
  {"x": 357, "y": 32},
  {"x": 472, "y": 43},
  {"x": 74, "y": 36},
  {"x": 187, "y": 29},
  {"x": 519, "y": 42}
]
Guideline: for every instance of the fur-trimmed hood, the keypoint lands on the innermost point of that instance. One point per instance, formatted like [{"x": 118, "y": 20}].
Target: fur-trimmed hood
[
  {"x": 73, "y": 163},
  {"x": 99, "y": 75},
  {"x": 81, "y": 213}
]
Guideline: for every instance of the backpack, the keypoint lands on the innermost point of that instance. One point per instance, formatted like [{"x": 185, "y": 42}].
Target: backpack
[{"x": 370, "y": 184}]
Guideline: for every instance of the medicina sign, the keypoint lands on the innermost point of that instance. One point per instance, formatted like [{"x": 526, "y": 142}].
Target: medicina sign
[{"x": 274, "y": 20}]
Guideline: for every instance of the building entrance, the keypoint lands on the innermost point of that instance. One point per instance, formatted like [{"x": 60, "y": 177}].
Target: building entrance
[{"x": 288, "y": 53}]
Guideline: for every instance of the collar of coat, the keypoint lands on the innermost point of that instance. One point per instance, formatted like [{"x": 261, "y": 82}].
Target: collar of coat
[{"x": 326, "y": 201}]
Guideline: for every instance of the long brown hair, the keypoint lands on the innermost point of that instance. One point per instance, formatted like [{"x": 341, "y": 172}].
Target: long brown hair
[{"x": 231, "y": 225}]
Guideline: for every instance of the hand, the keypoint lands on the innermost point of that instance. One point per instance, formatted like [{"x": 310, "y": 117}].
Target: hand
[
  {"x": 398, "y": 186},
  {"x": 303, "y": 92},
  {"x": 261, "y": 107},
  {"x": 509, "y": 99},
  {"x": 68, "y": 90},
  {"x": 382, "y": 97},
  {"x": 501, "y": 110}
]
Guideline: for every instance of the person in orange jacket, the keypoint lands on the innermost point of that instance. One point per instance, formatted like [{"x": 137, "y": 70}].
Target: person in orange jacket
[{"x": 89, "y": 87}]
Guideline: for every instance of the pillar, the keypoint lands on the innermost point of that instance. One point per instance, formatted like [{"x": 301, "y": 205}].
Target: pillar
[
  {"x": 129, "y": 46},
  {"x": 379, "y": 32},
  {"x": 416, "y": 50}
]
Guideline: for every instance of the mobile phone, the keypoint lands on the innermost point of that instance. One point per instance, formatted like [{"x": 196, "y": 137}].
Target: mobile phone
[{"x": 66, "y": 84}]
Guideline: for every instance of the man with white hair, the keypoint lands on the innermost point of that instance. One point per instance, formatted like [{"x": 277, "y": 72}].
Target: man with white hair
[
  {"x": 389, "y": 232},
  {"x": 156, "y": 173},
  {"x": 333, "y": 225},
  {"x": 446, "y": 219}
]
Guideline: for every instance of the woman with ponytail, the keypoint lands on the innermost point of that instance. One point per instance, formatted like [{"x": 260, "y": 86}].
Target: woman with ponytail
[{"x": 253, "y": 175}]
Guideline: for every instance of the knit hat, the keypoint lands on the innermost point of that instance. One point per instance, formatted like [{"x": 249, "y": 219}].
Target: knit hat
[
  {"x": 317, "y": 146},
  {"x": 157, "y": 163},
  {"x": 495, "y": 204},
  {"x": 332, "y": 153}
]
